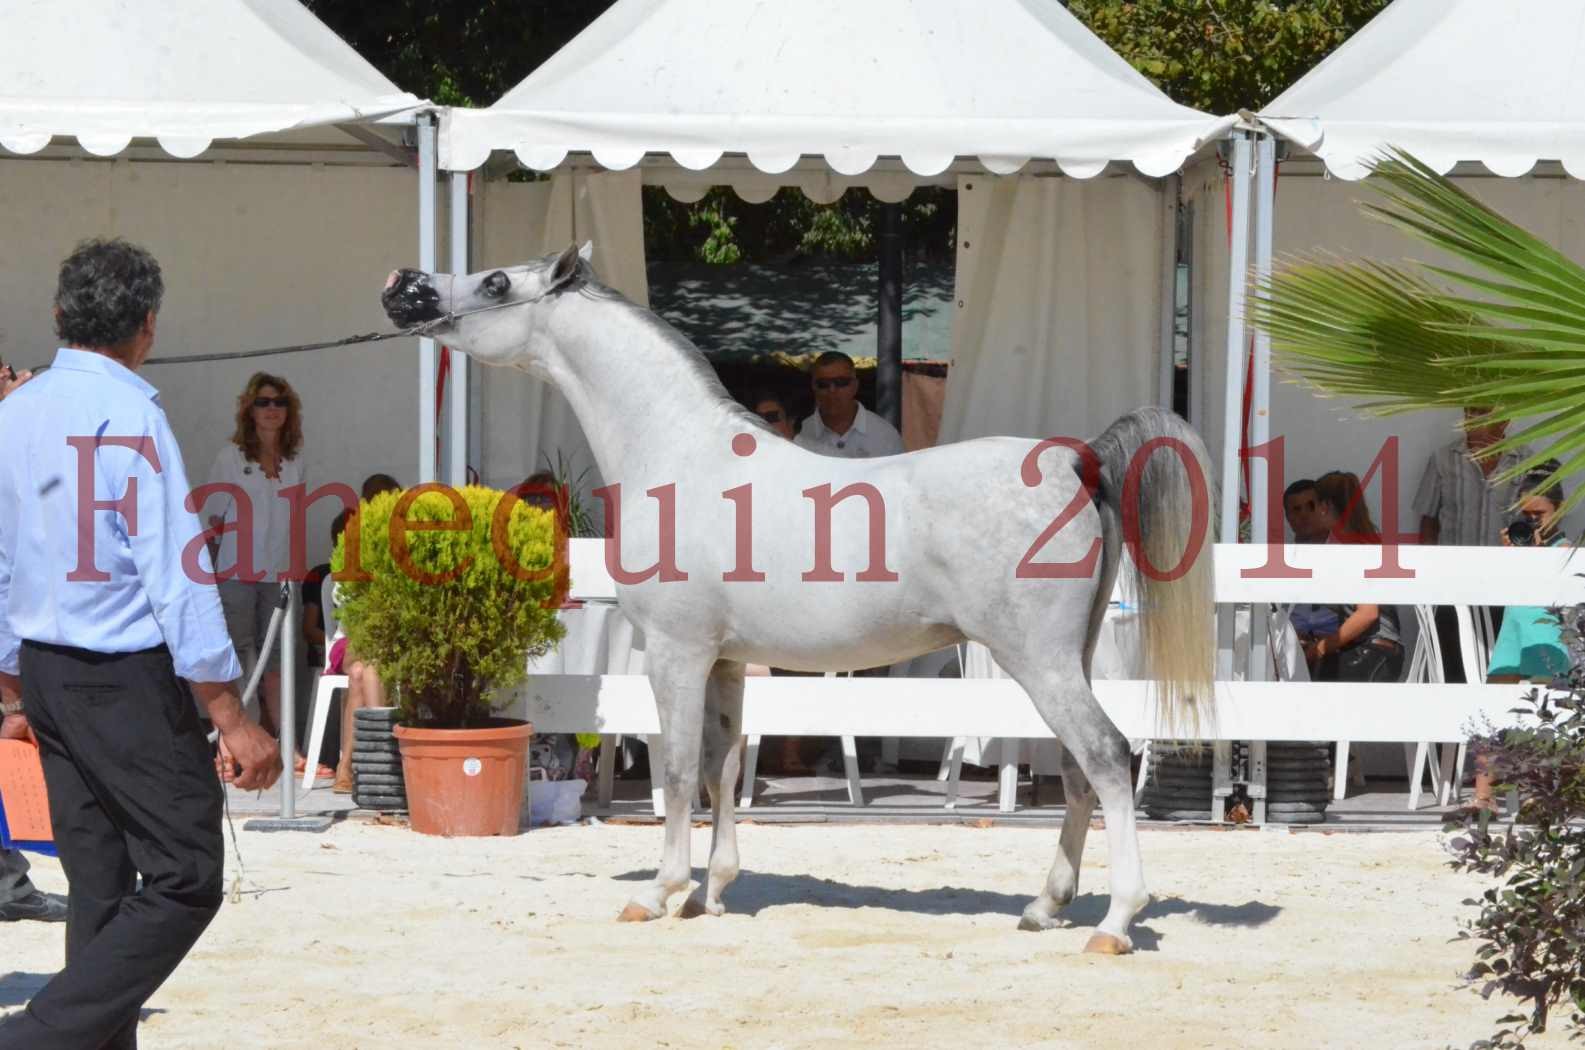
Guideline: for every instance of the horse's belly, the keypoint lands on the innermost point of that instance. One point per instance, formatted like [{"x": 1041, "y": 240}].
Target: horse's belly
[{"x": 837, "y": 647}]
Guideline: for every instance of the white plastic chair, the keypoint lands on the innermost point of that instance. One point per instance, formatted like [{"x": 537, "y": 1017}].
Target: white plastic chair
[
  {"x": 324, "y": 690},
  {"x": 1476, "y": 638},
  {"x": 850, "y": 763}
]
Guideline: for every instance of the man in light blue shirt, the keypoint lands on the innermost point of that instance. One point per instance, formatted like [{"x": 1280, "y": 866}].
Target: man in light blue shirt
[{"x": 107, "y": 603}]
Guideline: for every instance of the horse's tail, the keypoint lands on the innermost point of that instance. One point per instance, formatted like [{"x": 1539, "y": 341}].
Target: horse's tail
[{"x": 1156, "y": 475}]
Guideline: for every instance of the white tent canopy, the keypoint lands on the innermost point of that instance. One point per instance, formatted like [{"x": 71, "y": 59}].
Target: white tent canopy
[
  {"x": 109, "y": 71},
  {"x": 1494, "y": 81},
  {"x": 928, "y": 81}
]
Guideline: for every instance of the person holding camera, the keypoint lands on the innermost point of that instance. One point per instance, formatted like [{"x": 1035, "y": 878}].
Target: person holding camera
[{"x": 1530, "y": 644}]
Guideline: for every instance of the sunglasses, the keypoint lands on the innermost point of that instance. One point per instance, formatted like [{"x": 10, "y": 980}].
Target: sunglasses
[
  {"x": 773, "y": 415},
  {"x": 839, "y": 383},
  {"x": 272, "y": 402}
]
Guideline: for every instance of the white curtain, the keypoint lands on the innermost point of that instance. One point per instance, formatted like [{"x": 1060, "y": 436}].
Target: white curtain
[
  {"x": 525, "y": 422},
  {"x": 1058, "y": 329}
]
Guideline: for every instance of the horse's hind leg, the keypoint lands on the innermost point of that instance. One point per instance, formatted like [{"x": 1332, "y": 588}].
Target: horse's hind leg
[
  {"x": 1063, "y": 881},
  {"x": 1064, "y": 699},
  {"x": 678, "y": 679},
  {"x": 723, "y": 727}
]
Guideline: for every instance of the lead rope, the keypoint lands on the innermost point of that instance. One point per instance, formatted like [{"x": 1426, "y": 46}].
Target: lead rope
[
  {"x": 423, "y": 330},
  {"x": 248, "y": 693}
]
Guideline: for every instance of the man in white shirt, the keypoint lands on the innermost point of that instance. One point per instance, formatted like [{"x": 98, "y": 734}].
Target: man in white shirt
[{"x": 840, "y": 425}]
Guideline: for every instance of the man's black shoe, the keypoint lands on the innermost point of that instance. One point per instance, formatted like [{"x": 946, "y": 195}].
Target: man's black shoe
[{"x": 41, "y": 907}]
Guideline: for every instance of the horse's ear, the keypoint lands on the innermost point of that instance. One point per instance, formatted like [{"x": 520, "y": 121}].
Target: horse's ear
[
  {"x": 586, "y": 253},
  {"x": 565, "y": 269}
]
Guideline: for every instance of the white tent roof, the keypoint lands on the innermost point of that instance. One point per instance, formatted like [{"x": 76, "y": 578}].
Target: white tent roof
[
  {"x": 853, "y": 80},
  {"x": 188, "y": 73},
  {"x": 1495, "y": 81}
]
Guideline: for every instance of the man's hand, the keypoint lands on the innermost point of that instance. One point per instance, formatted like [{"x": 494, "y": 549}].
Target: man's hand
[
  {"x": 10, "y": 380},
  {"x": 15, "y": 727},
  {"x": 241, "y": 741},
  {"x": 256, "y": 752}
]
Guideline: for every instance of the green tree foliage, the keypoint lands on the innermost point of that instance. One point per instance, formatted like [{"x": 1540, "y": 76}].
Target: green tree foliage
[
  {"x": 1216, "y": 55},
  {"x": 458, "y": 54},
  {"x": 1224, "y": 55},
  {"x": 454, "y": 602}
]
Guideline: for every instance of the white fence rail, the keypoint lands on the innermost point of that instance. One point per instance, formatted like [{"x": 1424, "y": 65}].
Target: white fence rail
[{"x": 1245, "y": 710}]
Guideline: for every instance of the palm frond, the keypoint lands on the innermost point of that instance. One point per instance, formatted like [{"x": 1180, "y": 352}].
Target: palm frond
[{"x": 1503, "y": 332}]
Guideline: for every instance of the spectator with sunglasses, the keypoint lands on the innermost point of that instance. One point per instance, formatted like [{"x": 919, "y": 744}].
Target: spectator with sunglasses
[
  {"x": 773, "y": 410},
  {"x": 840, "y": 425},
  {"x": 262, "y": 460}
]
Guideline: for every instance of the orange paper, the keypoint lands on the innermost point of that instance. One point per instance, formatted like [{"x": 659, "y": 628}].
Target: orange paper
[{"x": 27, "y": 806}]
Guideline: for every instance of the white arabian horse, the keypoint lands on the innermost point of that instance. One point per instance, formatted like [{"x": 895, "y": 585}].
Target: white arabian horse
[{"x": 759, "y": 551}]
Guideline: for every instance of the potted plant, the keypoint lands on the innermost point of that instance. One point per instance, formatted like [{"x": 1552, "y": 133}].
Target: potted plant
[{"x": 450, "y": 592}]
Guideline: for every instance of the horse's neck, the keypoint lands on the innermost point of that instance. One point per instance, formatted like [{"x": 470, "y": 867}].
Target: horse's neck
[{"x": 642, "y": 404}]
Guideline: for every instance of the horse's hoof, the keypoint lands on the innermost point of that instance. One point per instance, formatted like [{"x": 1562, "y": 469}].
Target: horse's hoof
[
  {"x": 1105, "y": 944},
  {"x": 1037, "y": 923},
  {"x": 635, "y": 913},
  {"x": 693, "y": 907}
]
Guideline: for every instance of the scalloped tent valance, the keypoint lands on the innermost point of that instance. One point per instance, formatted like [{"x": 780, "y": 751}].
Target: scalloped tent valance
[
  {"x": 1449, "y": 81},
  {"x": 105, "y": 72},
  {"x": 925, "y": 81}
]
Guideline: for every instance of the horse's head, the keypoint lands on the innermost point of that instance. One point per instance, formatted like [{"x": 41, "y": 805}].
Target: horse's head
[{"x": 493, "y": 315}]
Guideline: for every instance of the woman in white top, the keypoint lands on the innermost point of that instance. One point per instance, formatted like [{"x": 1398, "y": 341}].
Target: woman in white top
[{"x": 262, "y": 460}]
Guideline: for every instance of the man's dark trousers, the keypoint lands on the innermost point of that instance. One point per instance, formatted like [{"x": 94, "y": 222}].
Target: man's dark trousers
[{"x": 132, "y": 791}]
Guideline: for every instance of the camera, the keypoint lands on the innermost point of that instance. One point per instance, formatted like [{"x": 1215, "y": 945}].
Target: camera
[{"x": 1522, "y": 533}]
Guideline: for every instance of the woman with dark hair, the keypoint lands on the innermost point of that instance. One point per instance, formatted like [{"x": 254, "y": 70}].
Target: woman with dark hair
[
  {"x": 1366, "y": 647},
  {"x": 262, "y": 460},
  {"x": 772, "y": 408}
]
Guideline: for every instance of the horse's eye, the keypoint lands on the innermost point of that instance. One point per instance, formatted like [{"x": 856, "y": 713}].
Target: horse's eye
[{"x": 496, "y": 284}]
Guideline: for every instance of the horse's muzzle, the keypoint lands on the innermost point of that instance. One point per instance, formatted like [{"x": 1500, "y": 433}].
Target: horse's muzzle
[{"x": 409, "y": 298}]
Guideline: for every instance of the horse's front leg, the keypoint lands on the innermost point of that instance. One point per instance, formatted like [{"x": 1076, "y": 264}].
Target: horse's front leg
[
  {"x": 723, "y": 755},
  {"x": 677, "y": 676}
]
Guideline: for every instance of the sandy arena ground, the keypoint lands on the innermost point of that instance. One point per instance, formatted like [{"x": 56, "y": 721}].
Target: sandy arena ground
[{"x": 370, "y": 936}]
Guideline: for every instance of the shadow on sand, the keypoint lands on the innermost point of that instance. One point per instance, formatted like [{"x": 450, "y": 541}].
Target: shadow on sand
[
  {"x": 18, "y": 987},
  {"x": 754, "y": 892}
]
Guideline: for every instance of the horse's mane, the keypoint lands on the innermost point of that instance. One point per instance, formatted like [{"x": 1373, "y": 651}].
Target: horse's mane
[{"x": 690, "y": 356}]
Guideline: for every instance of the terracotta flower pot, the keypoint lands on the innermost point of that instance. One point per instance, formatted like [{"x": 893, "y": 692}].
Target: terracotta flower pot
[{"x": 465, "y": 781}]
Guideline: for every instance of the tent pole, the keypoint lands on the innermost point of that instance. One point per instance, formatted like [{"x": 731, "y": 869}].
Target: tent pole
[
  {"x": 426, "y": 261},
  {"x": 457, "y": 399},
  {"x": 1260, "y": 395},
  {"x": 1232, "y": 405},
  {"x": 1169, "y": 290},
  {"x": 889, "y": 320}
]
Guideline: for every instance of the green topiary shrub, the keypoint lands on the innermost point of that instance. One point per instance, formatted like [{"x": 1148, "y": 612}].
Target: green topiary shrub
[
  {"x": 1529, "y": 932},
  {"x": 450, "y": 592}
]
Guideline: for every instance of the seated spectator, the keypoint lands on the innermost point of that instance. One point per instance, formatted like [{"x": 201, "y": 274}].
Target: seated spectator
[
  {"x": 1366, "y": 646},
  {"x": 772, "y": 408},
  {"x": 364, "y": 689},
  {"x": 313, "y": 600},
  {"x": 1300, "y": 505},
  {"x": 375, "y": 484},
  {"x": 1529, "y": 646}
]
